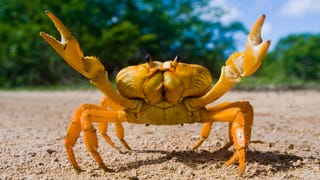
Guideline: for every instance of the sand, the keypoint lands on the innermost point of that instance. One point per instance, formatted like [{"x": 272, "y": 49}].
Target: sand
[{"x": 285, "y": 140}]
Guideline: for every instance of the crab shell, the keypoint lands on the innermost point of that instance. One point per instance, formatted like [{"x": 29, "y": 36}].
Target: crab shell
[{"x": 163, "y": 86}]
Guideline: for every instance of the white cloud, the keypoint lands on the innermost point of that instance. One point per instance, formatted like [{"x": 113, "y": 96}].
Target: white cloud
[
  {"x": 232, "y": 13},
  {"x": 296, "y": 8},
  {"x": 266, "y": 29}
]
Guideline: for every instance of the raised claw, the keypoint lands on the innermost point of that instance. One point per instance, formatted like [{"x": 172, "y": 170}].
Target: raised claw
[
  {"x": 68, "y": 48},
  {"x": 255, "y": 51}
]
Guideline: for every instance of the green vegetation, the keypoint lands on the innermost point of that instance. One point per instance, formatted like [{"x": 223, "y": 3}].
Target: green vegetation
[
  {"x": 294, "y": 63},
  {"x": 122, "y": 32},
  {"x": 119, "y": 32}
]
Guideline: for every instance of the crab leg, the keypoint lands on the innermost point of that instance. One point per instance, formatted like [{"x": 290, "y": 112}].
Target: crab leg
[
  {"x": 72, "y": 136},
  {"x": 90, "y": 67},
  {"x": 239, "y": 64},
  {"x": 109, "y": 104},
  {"x": 240, "y": 118},
  {"x": 206, "y": 128},
  {"x": 96, "y": 115},
  {"x": 102, "y": 128},
  {"x": 120, "y": 134},
  {"x": 90, "y": 139},
  {"x": 204, "y": 134},
  {"x": 82, "y": 120},
  {"x": 75, "y": 129}
]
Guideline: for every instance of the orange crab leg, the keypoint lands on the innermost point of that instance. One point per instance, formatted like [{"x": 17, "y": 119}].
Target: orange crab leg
[
  {"x": 90, "y": 139},
  {"x": 96, "y": 115},
  {"x": 120, "y": 134},
  {"x": 204, "y": 134},
  {"x": 206, "y": 128},
  {"x": 74, "y": 130},
  {"x": 72, "y": 136},
  {"x": 102, "y": 128},
  {"x": 240, "y": 117},
  {"x": 82, "y": 120},
  {"x": 108, "y": 104}
]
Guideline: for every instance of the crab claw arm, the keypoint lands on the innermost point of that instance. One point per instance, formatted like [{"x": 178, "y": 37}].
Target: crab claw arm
[
  {"x": 238, "y": 65},
  {"x": 68, "y": 48},
  {"x": 246, "y": 63},
  {"x": 255, "y": 51}
]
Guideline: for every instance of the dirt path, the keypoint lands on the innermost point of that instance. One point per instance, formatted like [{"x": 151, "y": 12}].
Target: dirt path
[{"x": 285, "y": 141}]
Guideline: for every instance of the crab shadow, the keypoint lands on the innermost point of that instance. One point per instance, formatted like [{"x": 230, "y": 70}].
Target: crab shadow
[{"x": 278, "y": 160}]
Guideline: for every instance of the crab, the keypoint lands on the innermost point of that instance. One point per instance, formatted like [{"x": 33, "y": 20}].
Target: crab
[{"x": 160, "y": 93}]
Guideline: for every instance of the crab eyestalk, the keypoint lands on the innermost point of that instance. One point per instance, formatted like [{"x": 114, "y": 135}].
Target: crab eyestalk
[
  {"x": 149, "y": 61},
  {"x": 175, "y": 61}
]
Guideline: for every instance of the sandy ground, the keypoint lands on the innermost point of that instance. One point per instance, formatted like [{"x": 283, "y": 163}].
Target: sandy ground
[{"x": 285, "y": 141}]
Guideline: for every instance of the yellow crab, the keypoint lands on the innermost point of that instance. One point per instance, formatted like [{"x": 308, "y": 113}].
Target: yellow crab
[{"x": 161, "y": 93}]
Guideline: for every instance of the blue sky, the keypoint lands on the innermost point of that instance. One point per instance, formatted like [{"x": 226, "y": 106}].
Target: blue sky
[{"x": 283, "y": 17}]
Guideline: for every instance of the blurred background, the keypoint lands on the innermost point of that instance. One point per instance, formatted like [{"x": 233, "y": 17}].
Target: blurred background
[{"x": 123, "y": 32}]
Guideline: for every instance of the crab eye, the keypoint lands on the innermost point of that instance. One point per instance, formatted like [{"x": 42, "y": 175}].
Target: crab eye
[{"x": 176, "y": 60}]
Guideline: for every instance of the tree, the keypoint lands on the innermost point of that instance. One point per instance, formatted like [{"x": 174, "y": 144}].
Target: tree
[
  {"x": 294, "y": 63},
  {"x": 119, "y": 32}
]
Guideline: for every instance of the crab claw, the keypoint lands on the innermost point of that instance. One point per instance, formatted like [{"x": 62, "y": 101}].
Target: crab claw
[
  {"x": 255, "y": 51},
  {"x": 69, "y": 49}
]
